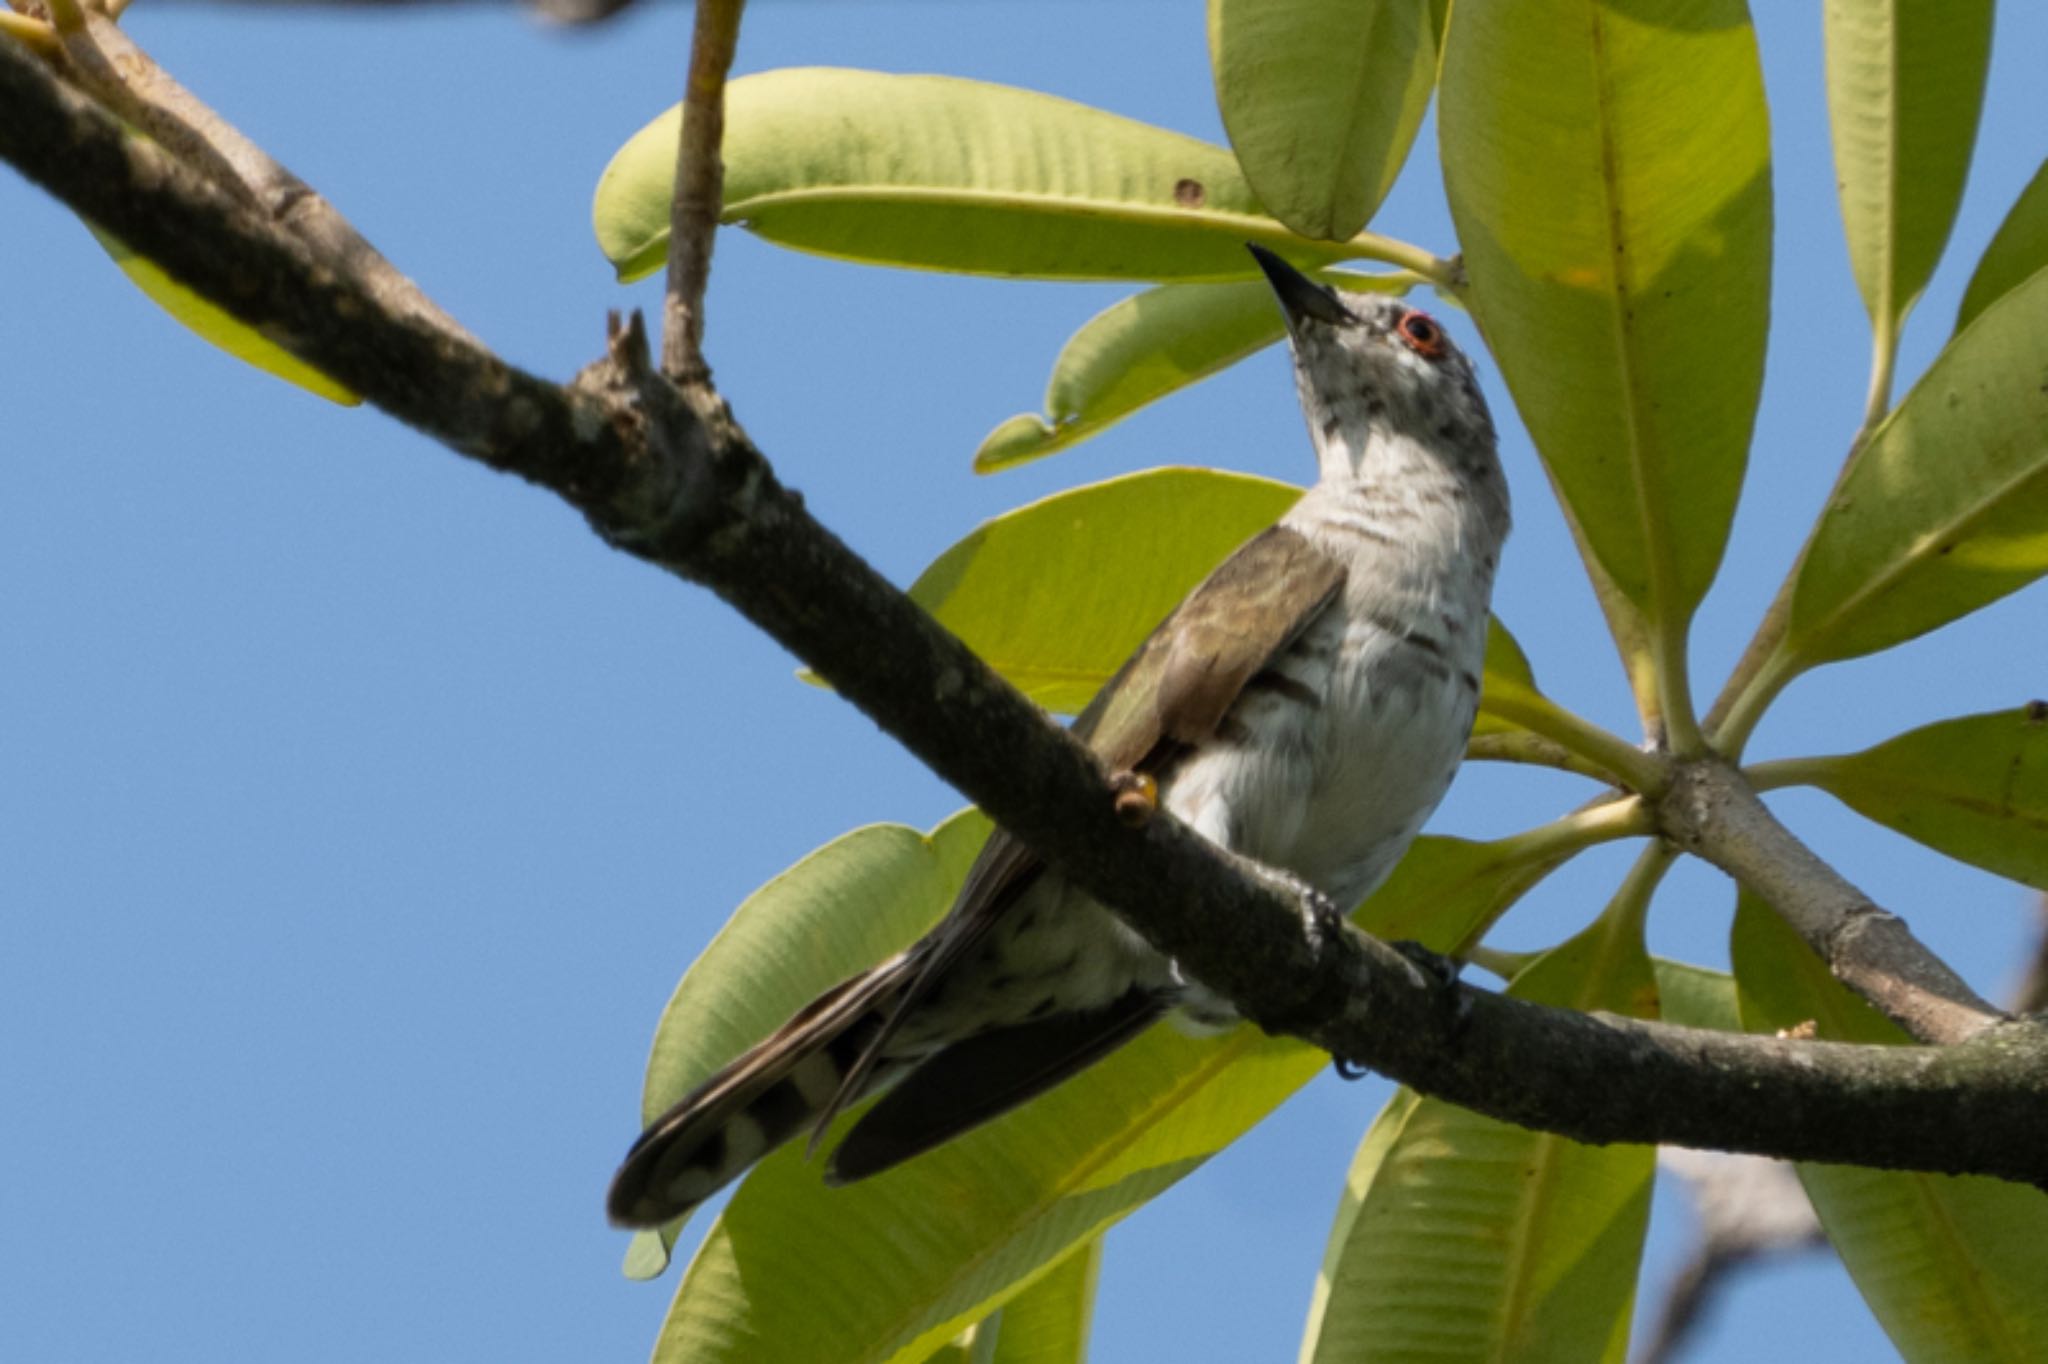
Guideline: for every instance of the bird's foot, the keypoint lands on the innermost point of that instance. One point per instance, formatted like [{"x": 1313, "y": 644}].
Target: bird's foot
[{"x": 1437, "y": 973}]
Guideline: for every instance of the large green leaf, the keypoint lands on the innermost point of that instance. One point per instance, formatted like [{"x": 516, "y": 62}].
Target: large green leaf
[
  {"x": 1461, "y": 1237},
  {"x": 843, "y": 908},
  {"x": 216, "y": 325},
  {"x": 1905, "y": 88},
  {"x": 1056, "y": 594},
  {"x": 1608, "y": 165},
  {"x": 1048, "y": 1322},
  {"x": 2019, "y": 248},
  {"x": 1945, "y": 508},
  {"x": 949, "y": 174},
  {"x": 894, "y": 1267},
  {"x": 1142, "y": 348},
  {"x": 1134, "y": 352},
  {"x": 1695, "y": 996},
  {"x": 1322, "y": 99},
  {"x": 1954, "y": 1268},
  {"x": 1975, "y": 788}
]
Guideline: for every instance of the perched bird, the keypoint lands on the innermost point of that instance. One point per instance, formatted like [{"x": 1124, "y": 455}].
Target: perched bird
[{"x": 1305, "y": 706}]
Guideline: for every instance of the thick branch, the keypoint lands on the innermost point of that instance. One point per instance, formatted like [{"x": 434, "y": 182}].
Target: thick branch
[
  {"x": 669, "y": 476},
  {"x": 1711, "y": 810}
]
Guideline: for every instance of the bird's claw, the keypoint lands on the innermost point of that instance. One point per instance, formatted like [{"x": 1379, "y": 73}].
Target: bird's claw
[{"x": 1437, "y": 973}]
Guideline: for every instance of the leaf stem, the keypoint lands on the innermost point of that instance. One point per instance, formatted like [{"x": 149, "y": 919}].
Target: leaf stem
[
  {"x": 1630, "y": 905},
  {"x": 1604, "y": 822},
  {"x": 1783, "y": 772},
  {"x": 1607, "y": 751}
]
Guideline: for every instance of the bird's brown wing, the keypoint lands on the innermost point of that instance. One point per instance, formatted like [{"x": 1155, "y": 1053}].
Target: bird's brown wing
[{"x": 1169, "y": 696}]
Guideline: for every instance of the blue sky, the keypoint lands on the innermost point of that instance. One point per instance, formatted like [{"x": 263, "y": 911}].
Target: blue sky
[{"x": 361, "y": 808}]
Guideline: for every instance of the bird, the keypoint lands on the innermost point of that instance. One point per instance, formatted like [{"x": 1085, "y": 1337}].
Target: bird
[{"x": 1305, "y": 706}]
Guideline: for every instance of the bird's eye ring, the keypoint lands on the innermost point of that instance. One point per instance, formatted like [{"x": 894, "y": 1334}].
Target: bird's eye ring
[{"x": 1422, "y": 334}]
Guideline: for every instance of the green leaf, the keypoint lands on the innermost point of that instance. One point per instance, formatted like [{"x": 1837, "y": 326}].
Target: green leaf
[
  {"x": 1134, "y": 352},
  {"x": 1142, "y": 348},
  {"x": 1048, "y": 1322},
  {"x": 1507, "y": 678},
  {"x": 216, "y": 325},
  {"x": 1696, "y": 997},
  {"x": 1945, "y": 508},
  {"x": 843, "y": 908},
  {"x": 1905, "y": 88},
  {"x": 1975, "y": 788},
  {"x": 2017, "y": 251},
  {"x": 1953, "y": 1267},
  {"x": 948, "y": 174},
  {"x": 1322, "y": 99},
  {"x": 1056, "y": 594},
  {"x": 1446, "y": 891},
  {"x": 1461, "y": 1237},
  {"x": 895, "y": 1266},
  {"x": 1608, "y": 166}
]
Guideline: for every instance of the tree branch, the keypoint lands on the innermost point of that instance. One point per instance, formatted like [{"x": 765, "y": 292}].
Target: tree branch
[
  {"x": 700, "y": 190},
  {"x": 1711, "y": 810},
  {"x": 668, "y": 475}
]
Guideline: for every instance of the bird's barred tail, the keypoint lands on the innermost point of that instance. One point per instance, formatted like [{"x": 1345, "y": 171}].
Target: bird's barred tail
[{"x": 769, "y": 1094}]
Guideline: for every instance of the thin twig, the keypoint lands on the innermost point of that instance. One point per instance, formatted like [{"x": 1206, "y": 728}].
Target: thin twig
[{"x": 700, "y": 190}]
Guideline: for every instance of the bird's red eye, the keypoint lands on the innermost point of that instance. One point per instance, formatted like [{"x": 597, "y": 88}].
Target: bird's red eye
[{"x": 1422, "y": 334}]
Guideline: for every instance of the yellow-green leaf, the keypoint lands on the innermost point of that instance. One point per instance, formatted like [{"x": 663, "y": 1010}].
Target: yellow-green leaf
[
  {"x": 1945, "y": 508},
  {"x": 1975, "y": 788},
  {"x": 1696, "y": 997},
  {"x": 1954, "y": 1268},
  {"x": 896, "y": 1266},
  {"x": 840, "y": 910},
  {"x": 1448, "y": 891},
  {"x": 1608, "y": 166},
  {"x": 1322, "y": 99},
  {"x": 1134, "y": 352},
  {"x": 1461, "y": 1237},
  {"x": 1140, "y": 349},
  {"x": 1048, "y": 1322},
  {"x": 217, "y": 326},
  {"x": 2019, "y": 248},
  {"x": 948, "y": 174},
  {"x": 1905, "y": 88},
  {"x": 1056, "y": 594}
]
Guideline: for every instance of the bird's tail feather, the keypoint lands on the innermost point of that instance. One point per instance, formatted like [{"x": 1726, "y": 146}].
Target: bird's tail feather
[{"x": 760, "y": 1100}]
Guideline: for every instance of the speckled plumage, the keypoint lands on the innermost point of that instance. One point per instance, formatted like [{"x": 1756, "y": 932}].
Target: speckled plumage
[{"x": 1306, "y": 706}]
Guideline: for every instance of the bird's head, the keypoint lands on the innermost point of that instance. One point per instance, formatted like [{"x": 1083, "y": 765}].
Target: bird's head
[{"x": 1379, "y": 378}]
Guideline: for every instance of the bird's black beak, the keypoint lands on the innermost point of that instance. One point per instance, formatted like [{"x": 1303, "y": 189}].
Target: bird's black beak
[{"x": 1300, "y": 296}]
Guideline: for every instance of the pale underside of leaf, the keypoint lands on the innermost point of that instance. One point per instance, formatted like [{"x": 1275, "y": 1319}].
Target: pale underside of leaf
[
  {"x": 1322, "y": 101},
  {"x": 1143, "y": 348},
  {"x": 934, "y": 172},
  {"x": 1905, "y": 85}
]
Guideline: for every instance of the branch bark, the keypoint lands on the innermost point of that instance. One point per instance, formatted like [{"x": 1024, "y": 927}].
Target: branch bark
[
  {"x": 1711, "y": 810},
  {"x": 667, "y": 474},
  {"x": 700, "y": 190}
]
